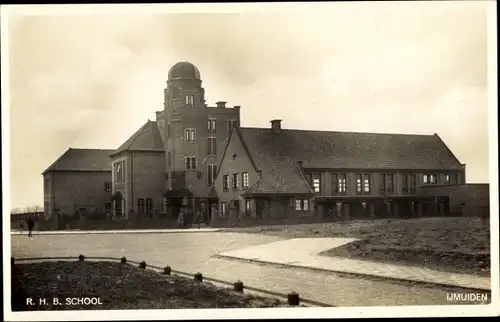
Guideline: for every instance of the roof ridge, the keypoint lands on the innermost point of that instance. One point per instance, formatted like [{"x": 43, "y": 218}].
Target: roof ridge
[
  {"x": 348, "y": 132},
  {"x": 139, "y": 134}
]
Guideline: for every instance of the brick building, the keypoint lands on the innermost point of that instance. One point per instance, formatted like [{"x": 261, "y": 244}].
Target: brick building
[
  {"x": 275, "y": 172},
  {"x": 198, "y": 156},
  {"x": 78, "y": 181}
]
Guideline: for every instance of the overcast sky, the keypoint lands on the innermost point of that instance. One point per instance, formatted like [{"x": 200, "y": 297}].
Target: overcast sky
[{"x": 90, "y": 81}]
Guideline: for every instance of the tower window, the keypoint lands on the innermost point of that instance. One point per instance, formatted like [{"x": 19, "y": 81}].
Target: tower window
[
  {"x": 190, "y": 163},
  {"x": 190, "y": 135},
  {"x": 211, "y": 125},
  {"x": 189, "y": 100},
  {"x": 212, "y": 147},
  {"x": 212, "y": 174},
  {"x": 231, "y": 124}
]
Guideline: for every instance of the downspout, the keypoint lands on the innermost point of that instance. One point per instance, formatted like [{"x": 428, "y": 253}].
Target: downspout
[{"x": 132, "y": 180}]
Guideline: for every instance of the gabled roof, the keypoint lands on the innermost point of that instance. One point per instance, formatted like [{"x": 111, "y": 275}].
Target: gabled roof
[
  {"x": 82, "y": 160},
  {"x": 147, "y": 138},
  {"x": 276, "y": 153}
]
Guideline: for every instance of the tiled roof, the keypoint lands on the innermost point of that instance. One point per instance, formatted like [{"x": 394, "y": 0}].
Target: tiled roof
[
  {"x": 147, "y": 138},
  {"x": 82, "y": 160},
  {"x": 276, "y": 154}
]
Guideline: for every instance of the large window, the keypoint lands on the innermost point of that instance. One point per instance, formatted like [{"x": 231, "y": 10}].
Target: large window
[
  {"x": 107, "y": 186},
  {"x": 244, "y": 179},
  {"x": 302, "y": 204},
  {"x": 338, "y": 183},
  {"x": 119, "y": 172},
  {"x": 429, "y": 178},
  {"x": 236, "y": 181},
  {"x": 408, "y": 183},
  {"x": 387, "y": 181},
  {"x": 189, "y": 100},
  {"x": 212, "y": 146},
  {"x": 211, "y": 173},
  {"x": 223, "y": 208},
  {"x": 141, "y": 205},
  {"x": 190, "y": 135},
  {"x": 363, "y": 183},
  {"x": 211, "y": 125},
  {"x": 231, "y": 124},
  {"x": 190, "y": 163},
  {"x": 225, "y": 182},
  {"x": 315, "y": 181},
  {"x": 248, "y": 207},
  {"x": 149, "y": 205}
]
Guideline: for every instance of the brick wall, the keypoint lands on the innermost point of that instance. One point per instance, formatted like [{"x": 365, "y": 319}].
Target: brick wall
[
  {"x": 147, "y": 178},
  {"x": 74, "y": 189}
]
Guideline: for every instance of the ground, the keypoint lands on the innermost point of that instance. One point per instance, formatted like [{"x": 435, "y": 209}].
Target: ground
[
  {"x": 120, "y": 287},
  {"x": 193, "y": 252},
  {"x": 460, "y": 245}
]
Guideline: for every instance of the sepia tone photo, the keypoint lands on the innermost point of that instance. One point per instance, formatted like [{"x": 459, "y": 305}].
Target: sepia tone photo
[{"x": 250, "y": 160}]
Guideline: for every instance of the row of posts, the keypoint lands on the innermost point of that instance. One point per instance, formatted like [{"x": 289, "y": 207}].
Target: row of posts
[{"x": 293, "y": 297}]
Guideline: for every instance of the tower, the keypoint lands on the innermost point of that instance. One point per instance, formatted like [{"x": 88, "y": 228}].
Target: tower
[{"x": 195, "y": 137}]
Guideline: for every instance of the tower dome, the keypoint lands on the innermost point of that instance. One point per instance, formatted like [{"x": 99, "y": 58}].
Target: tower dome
[{"x": 184, "y": 70}]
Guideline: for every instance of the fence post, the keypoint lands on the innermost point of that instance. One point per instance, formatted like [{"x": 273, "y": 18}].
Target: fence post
[
  {"x": 293, "y": 299},
  {"x": 198, "y": 277},
  {"x": 167, "y": 270}
]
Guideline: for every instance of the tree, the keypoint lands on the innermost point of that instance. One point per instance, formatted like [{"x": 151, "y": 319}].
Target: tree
[{"x": 33, "y": 209}]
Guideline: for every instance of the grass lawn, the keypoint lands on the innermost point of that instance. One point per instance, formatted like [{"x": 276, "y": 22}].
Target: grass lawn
[
  {"x": 120, "y": 287},
  {"x": 460, "y": 244}
]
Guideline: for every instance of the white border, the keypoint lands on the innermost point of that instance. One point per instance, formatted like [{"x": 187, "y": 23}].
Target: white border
[{"x": 492, "y": 309}]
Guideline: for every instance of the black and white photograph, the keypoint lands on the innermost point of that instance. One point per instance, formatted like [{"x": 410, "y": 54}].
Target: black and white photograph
[{"x": 250, "y": 160}]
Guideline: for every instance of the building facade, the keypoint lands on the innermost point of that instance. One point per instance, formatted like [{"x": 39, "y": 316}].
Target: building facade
[
  {"x": 273, "y": 172},
  {"x": 199, "y": 157}
]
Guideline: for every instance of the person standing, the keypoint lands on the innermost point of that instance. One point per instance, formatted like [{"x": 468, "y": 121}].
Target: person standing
[
  {"x": 21, "y": 226},
  {"x": 31, "y": 224},
  {"x": 197, "y": 218}
]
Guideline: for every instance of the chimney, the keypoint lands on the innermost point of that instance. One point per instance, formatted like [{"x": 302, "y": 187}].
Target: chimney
[
  {"x": 276, "y": 125},
  {"x": 221, "y": 104},
  {"x": 237, "y": 106}
]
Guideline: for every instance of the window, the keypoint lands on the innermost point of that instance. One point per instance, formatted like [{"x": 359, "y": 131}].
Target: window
[
  {"x": 211, "y": 125},
  {"x": 107, "y": 186},
  {"x": 119, "y": 172},
  {"x": 223, "y": 208},
  {"x": 248, "y": 207},
  {"x": 404, "y": 183},
  {"x": 190, "y": 163},
  {"x": 141, "y": 206},
  {"x": 189, "y": 100},
  {"x": 231, "y": 124},
  {"x": 164, "y": 205},
  {"x": 244, "y": 179},
  {"x": 412, "y": 179},
  {"x": 189, "y": 135},
  {"x": 118, "y": 208},
  {"x": 212, "y": 147},
  {"x": 387, "y": 180},
  {"x": 316, "y": 182},
  {"x": 367, "y": 183},
  {"x": 342, "y": 183},
  {"x": 447, "y": 178},
  {"x": 430, "y": 179},
  {"x": 363, "y": 183},
  {"x": 211, "y": 174},
  {"x": 455, "y": 178},
  {"x": 107, "y": 207},
  {"x": 225, "y": 182},
  {"x": 302, "y": 204},
  {"x": 236, "y": 183},
  {"x": 334, "y": 183},
  {"x": 149, "y": 205}
]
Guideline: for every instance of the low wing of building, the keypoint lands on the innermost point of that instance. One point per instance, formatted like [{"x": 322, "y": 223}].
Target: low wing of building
[
  {"x": 80, "y": 179},
  {"x": 298, "y": 170}
]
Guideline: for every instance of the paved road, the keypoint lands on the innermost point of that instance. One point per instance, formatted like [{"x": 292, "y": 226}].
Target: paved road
[{"x": 192, "y": 252}]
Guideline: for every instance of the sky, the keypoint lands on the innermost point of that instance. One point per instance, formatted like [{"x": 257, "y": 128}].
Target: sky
[{"x": 86, "y": 80}]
